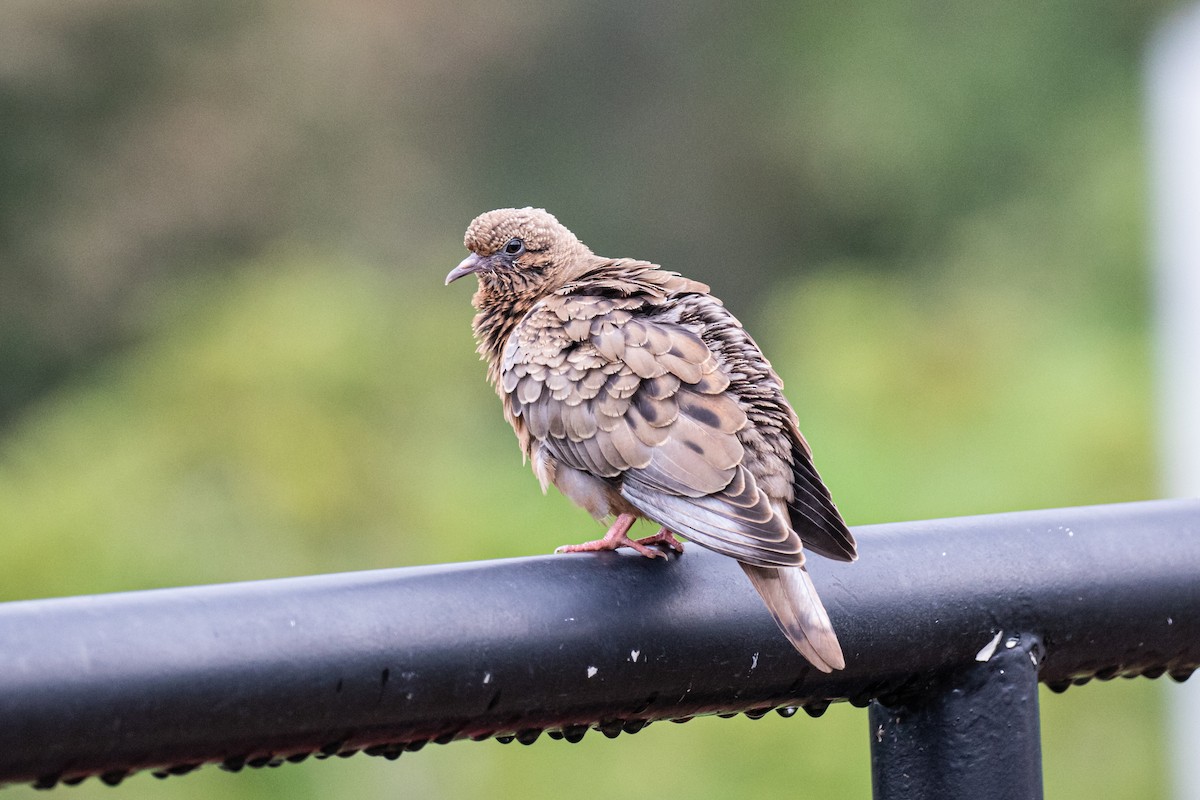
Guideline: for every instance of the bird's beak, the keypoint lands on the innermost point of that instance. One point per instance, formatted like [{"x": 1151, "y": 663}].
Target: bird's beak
[{"x": 465, "y": 267}]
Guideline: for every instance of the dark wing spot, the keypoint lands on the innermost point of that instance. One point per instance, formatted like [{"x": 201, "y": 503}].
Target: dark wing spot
[
  {"x": 647, "y": 407},
  {"x": 703, "y": 415}
]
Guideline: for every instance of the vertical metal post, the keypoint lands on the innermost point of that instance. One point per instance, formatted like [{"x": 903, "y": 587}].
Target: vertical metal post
[
  {"x": 971, "y": 734},
  {"x": 1174, "y": 121}
]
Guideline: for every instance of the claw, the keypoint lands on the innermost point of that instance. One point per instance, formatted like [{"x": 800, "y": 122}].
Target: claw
[
  {"x": 665, "y": 538},
  {"x": 618, "y": 536}
]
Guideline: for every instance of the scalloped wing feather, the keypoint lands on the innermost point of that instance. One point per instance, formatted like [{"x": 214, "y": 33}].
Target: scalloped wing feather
[{"x": 658, "y": 421}]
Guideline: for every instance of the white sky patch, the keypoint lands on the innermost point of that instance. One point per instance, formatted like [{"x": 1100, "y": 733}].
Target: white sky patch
[{"x": 592, "y": 672}]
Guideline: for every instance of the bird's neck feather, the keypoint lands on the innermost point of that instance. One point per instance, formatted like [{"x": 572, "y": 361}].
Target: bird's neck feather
[
  {"x": 501, "y": 305},
  {"x": 503, "y": 300}
]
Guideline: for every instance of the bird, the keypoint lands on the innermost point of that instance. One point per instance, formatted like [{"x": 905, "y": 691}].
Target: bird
[{"x": 638, "y": 395}]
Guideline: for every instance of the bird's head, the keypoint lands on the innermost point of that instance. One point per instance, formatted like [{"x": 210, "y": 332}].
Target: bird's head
[{"x": 520, "y": 251}]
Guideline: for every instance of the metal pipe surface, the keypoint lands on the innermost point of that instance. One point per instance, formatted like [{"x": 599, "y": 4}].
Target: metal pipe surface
[
  {"x": 388, "y": 660},
  {"x": 976, "y": 735}
]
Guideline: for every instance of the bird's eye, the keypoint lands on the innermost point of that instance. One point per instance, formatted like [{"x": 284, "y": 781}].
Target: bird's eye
[{"x": 514, "y": 247}]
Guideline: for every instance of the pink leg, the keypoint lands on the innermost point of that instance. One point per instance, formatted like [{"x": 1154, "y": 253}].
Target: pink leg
[
  {"x": 663, "y": 537},
  {"x": 617, "y": 536}
]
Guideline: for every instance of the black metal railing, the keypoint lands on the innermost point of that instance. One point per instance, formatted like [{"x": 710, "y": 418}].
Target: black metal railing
[{"x": 947, "y": 626}]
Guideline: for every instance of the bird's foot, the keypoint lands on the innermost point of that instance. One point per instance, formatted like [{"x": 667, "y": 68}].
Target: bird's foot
[
  {"x": 618, "y": 536},
  {"x": 664, "y": 537}
]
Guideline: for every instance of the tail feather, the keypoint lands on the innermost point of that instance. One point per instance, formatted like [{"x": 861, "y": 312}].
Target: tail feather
[{"x": 793, "y": 602}]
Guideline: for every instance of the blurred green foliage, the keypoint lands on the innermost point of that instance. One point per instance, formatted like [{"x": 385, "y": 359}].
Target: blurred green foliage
[
  {"x": 307, "y": 414},
  {"x": 228, "y": 354}
]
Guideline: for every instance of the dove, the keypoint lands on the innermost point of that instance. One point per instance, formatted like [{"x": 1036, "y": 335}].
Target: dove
[{"x": 638, "y": 395}]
